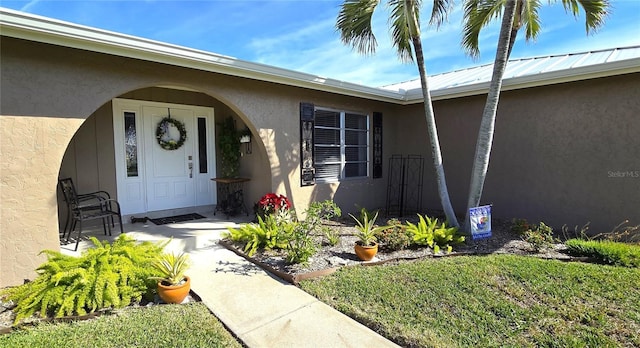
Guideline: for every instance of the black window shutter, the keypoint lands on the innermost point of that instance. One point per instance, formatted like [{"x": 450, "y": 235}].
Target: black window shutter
[
  {"x": 377, "y": 145},
  {"x": 307, "y": 170}
]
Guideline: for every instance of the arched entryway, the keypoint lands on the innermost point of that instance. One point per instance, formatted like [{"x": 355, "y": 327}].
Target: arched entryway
[{"x": 116, "y": 150}]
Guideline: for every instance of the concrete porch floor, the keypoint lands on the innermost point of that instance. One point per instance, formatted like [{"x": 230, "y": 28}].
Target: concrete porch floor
[
  {"x": 259, "y": 308},
  {"x": 186, "y": 236}
]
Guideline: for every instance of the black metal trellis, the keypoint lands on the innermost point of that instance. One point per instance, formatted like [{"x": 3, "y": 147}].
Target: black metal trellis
[{"x": 404, "y": 188}]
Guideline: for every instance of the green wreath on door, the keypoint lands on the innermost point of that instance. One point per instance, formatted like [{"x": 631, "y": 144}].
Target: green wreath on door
[{"x": 163, "y": 129}]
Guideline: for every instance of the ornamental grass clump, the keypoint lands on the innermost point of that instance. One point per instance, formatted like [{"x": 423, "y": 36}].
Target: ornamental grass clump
[
  {"x": 107, "y": 276},
  {"x": 606, "y": 252}
]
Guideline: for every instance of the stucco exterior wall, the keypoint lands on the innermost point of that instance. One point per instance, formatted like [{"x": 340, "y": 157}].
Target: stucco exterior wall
[
  {"x": 42, "y": 81},
  {"x": 31, "y": 149},
  {"x": 563, "y": 154}
]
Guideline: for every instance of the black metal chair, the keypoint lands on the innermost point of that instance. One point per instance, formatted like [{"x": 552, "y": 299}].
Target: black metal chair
[
  {"x": 87, "y": 207},
  {"x": 95, "y": 196}
]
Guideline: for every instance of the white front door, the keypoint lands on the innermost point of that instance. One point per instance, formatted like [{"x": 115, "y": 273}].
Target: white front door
[
  {"x": 151, "y": 178},
  {"x": 169, "y": 173}
]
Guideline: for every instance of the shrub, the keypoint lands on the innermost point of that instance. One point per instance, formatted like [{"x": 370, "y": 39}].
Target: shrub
[
  {"x": 607, "y": 252},
  {"x": 422, "y": 232},
  {"x": 332, "y": 236},
  {"x": 270, "y": 233},
  {"x": 446, "y": 237},
  {"x": 540, "y": 237},
  {"x": 279, "y": 230},
  {"x": 272, "y": 203},
  {"x": 109, "y": 275},
  {"x": 429, "y": 232},
  {"x": 316, "y": 213},
  {"x": 301, "y": 245},
  {"x": 394, "y": 237},
  {"x": 520, "y": 226},
  {"x": 325, "y": 210}
]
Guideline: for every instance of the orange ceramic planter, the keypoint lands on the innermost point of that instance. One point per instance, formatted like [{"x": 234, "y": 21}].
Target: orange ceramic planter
[
  {"x": 174, "y": 293},
  {"x": 366, "y": 253}
]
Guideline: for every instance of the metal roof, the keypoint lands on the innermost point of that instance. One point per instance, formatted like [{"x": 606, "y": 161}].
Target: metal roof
[
  {"x": 521, "y": 73},
  {"x": 543, "y": 67}
]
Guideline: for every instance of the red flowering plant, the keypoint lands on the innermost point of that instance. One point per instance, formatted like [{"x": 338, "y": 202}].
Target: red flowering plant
[{"x": 271, "y": 204}]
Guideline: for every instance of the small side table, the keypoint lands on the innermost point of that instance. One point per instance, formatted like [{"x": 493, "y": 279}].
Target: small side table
[{"x": 230, "y": 196}]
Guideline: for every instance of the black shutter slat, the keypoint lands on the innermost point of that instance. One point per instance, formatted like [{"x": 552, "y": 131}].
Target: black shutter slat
[
  {"x": 377, "y": 145},
  {"x": 307, "y": 170}
]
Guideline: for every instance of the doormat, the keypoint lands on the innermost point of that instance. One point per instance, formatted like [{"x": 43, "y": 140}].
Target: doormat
[{"x": 177, "y": 218}]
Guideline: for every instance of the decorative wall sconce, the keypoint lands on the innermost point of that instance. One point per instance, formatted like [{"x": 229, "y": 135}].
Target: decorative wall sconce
[{"x": 245, "y": 138}]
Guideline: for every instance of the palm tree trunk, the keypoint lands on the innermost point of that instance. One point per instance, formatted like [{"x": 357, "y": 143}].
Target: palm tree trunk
[
  {"x": 487, "y": 125},
  {"x": 443, "y": 192}
]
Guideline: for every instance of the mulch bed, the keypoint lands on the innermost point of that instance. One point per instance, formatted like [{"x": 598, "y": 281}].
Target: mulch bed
[{"x": 331, "y": 258}]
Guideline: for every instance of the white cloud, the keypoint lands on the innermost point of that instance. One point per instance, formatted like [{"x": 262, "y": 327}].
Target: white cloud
[
  {"x": 317, "y": 49},
  {"x": 29, "y": 6}
]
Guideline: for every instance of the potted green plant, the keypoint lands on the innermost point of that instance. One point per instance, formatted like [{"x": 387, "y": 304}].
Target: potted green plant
[
  {"x": 173, "y": 284},
  {"x": 366, "y": 246}
]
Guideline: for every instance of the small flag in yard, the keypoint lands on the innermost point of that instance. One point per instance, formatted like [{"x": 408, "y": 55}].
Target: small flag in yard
[{"x": 480, "y": 219}]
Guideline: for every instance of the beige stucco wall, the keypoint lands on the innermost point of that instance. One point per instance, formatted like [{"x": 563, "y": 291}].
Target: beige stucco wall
[
  {"x": 31, "y": 150},
  {"x": 42, "y": 81},
  {"x": 564, "y": 154}
]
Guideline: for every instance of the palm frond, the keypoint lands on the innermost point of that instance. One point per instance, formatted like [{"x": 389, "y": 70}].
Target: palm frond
[
  {"x": 401, "y": 22},
  {"x": 477, "y": 15},
  {"x": 596, "y": 12},
  {"x": 440, "y": 11},
  {"x": 527, "y": 16},
  {"x": 354, "y": 25}
]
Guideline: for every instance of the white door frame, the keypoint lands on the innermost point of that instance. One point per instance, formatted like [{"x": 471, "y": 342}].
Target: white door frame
[{"x": 132, "y": 189}]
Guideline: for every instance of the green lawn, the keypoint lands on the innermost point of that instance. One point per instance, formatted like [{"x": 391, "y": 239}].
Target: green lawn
[
  {"x": 188, "y": 325},
  {"x": 483, "y": 301}
]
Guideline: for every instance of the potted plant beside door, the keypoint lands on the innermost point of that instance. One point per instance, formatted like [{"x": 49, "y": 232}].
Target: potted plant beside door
[
  {"x": 173, "y": 284},
  {"x": 366, "y": 247}
]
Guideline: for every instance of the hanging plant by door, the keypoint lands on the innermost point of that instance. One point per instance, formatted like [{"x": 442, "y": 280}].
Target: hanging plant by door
[{"x": 163, "y": 135}]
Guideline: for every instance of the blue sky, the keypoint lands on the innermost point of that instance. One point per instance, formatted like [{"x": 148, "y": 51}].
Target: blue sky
[{"x": 300, "y": 34}]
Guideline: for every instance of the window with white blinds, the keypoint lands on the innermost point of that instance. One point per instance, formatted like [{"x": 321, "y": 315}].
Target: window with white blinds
[{"x": 341, "y": 145}]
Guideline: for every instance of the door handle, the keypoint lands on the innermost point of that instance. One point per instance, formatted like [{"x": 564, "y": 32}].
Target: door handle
[{"x": 190, "y": 170}]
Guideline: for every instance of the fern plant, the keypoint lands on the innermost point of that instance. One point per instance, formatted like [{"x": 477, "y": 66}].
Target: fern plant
[{"x": 109, "y": 275}]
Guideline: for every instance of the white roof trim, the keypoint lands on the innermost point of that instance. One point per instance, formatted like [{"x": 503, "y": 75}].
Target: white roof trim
[{"x": 42, "y": 29}]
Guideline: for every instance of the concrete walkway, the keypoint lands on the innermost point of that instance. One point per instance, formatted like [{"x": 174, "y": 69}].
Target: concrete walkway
[
  {"x": 259, "y": 308},
  {"x": 263, "y": 311}
]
